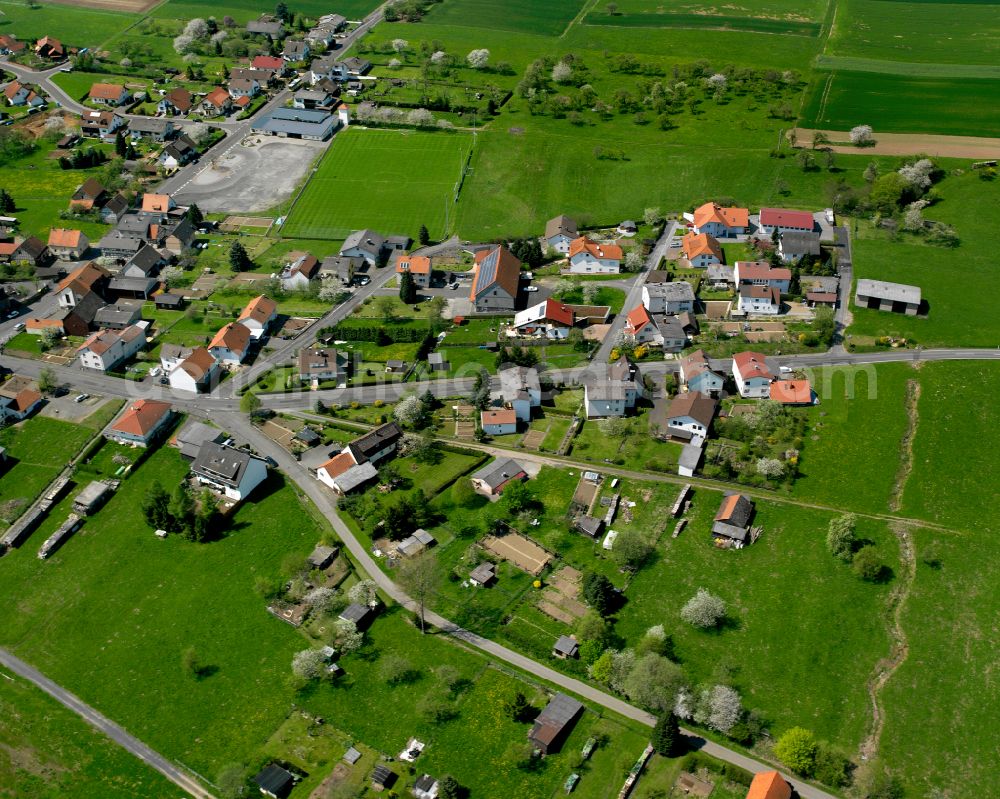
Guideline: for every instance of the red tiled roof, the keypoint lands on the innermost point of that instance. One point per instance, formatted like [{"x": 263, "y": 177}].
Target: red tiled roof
[
  {"x": 267, "y": 62},
  {"x": 557, "y": 312},
  {"x": 637, "y": 318},
  {"x": 106, "y": 91},
  {"x": 782, "y": 217},
  {"x": 502, "y": 268},
  {"x": 64, "y": 237},
  {"x": 261, "y": 308},
  {"x": 142, "y": 417},
  {"x": 727, "y": 507},
  {"x": 156, "y": 203},
  {"x": 217, "y": 97},
  {"x": 501, "y": 416},
  {"x": 338, "y": 464},
  {"x": 233, "y": 336},
  {"x": 761, "y": 270},
  {"x": 751, "y": 364}
]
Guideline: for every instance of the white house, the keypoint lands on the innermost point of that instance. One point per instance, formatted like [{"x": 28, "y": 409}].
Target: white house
[
  {"x": 763, "y": 300},
  {"x": 549, "y": 318},
  {"x": 753, "y": 378},
  {"x": 713, "y": 219},
  {"x": 364, "y": 243},
  {"x": 343, "y": 475},
  {"x": 761, "y": 273},
  {"x": 639, "y": 324},
  {"x": 233, "y": 472},
  {"x": 258, "y": 315},
  {"x": 521, "y": 390},
  {"x": 417, "y": 266},
  {"x": 701, "y": 250},
  {"x": 795, "y": 245},
  {"x": 376, "y": 444},
  {"x": 499, "y": 421},
  {"x": 590, "y": 257},
  {"x": 299, "y": 271},
  {"x": 107, "y": 348},
  {"x": 560, "y": 232},
  {"x": 612, "y": 389},
  {"x": 692, "y": 412},
  {"x": 673, "y": 298},
  {"x": 195, "y": 372},
  {"x": 231, "y": 344}
]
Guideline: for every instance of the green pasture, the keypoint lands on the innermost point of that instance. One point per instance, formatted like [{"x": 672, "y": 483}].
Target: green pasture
[
  {"x": 74, "y": 26},
  {"x": 390, "y": 181},
  {"x": 246, "y": 10},
  {"x": 783, "y": 27},
  {"x": 48, "y": 751}
]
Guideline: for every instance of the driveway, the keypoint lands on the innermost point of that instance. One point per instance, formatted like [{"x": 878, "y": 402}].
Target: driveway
[{"x": 258, "y": 174}]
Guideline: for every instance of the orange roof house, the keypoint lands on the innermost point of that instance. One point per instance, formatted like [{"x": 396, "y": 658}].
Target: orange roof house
[
  {"x": 637, "y": 319},
  {"x": 39, "y": 326},
  {"x": 596, "y": 249},
  {"x": 791, "y": 392},
  {"x": 233, "y": 337},
  {"x": 198, "y": 364},
  {"x": 219, "y": 98},
  {"x": 751, "y": 364},
  {"x": 501, "y": 416},
  {"x": 713, "y": 215},
  {"x": 258, "y": 313},
  {"x": 106, "y": 91},
  {"x": 696, "y": 245},
  {"x": 769, "y": 785},
  {"x": 49, "y": 47},
  {"x": 66, "y": 239},
  {"x": 140, "y": 422},
  {"x": 414, "y": 264},
  {"x": 337, "y": 465},
  {"x": 157, "y": 203}
]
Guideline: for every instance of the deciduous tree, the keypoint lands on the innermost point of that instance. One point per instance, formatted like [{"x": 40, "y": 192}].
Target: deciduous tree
[
  {"x": 703, "y": 610},
  {"x": 796, "y": 748}
]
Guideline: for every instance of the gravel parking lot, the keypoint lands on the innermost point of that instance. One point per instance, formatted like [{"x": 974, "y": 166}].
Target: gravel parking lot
[{"x": 255, "y": 175}]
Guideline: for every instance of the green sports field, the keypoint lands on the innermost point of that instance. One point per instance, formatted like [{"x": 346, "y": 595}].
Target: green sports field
[{"x": 390, "y": 181}]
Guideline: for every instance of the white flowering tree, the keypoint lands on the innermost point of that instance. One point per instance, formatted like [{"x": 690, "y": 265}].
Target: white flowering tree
[
  {"x": 420, "y": 117},
  {"x": 770, "y": 467},
  {"x": 347, "y": 636},
  {"x": 400, "y": 45},
  {"x": 703, "y": 610},
  {"x": 918, "y": 174},
  {"x": 861, "y": 136},
  {"x": 321, "y": 600},
  {"x": 562, "y": 72},
  {"x": 719, "y": 708},
  {"x": 183, "y": 43},
  {"x": 308, "y": 664},
  {"x": 363, "y": 593},
  {"x": 633, "y": 261},
  {"x": 478, "y": 59},
  {"x": 409, "y": 411},
  {"x": 439, "y": 58},
  {"x": 196, "y": 28}
]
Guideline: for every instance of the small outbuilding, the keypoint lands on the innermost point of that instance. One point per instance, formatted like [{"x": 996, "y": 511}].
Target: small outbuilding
[
  {"x": 361, "y": 615},
  {"x": 92, "y": 497},
  {"x": 732, "y": 522},
  {"x": 275, "y": 781},
  {"x": 554, "y": 723},
  {"x": 383, "y": 777},
  {"x": 484, "y": 574},
  {"x": 566, "y": 647},
  {"x": 322, "y": 557},
  {"x": 589, "y": 525}
]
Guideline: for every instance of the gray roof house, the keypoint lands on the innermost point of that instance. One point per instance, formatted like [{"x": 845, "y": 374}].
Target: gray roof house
[
  {"x": 359, "y": 614},
  {"x": 342, "y": 268},
  {"x": 275, "y": 781},
  {"x": 492, "y": 478},
  {"x": 271, "y": 28},
  {"x": 484, "y": 574},
  {"x": 364, "y": 243},
  {"x": 155, "y": 128},
  {"x": 880, "y": 295},
  {"x": 565, "y": 647},
  {"x": 322, "y": 556},
  {"x": 376, "y": 444},
  {"x": 794, "y": 245},
  {"x": 233, "y": 472},
  {"x": 117, "y": 317},
  {"x": 190, "y": 438},
  {"x": 688, "y": 460},
  {"x": 554, "y": 722}
]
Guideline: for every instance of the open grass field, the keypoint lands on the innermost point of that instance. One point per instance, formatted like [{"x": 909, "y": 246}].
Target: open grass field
[
  {"x": 957, "y": 318},
  {"x": 858, "y": 436},
  {"x": 110, "y": 614},
  {"x": 518, "y": 16},
  {"x": 902, "y": 103},
  {"x": 390, "y": 181},
  {"x": 950, "y": 617},
  {"x": 38, "y": 449},
  {"x": 800, "y": 656},
  {"x": 48, "y": 751},
  {"x": 920, "y": 30},
  {"x": 73, "y": 25},
  {"x": 750, "y": 24}
]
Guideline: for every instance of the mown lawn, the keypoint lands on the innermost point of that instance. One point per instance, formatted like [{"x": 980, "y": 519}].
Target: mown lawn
[
  {"x": 74, "y": 26},
  {"x": 48, "y": 751}
]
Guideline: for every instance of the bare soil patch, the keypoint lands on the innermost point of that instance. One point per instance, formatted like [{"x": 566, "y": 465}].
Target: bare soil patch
[
  {"x": 127, "y": 6},
  {"x": 906, "y": 445},
  {"x": 533, "y": 439},
  {"x": 979, "y": 147},
  {"x": 522, "y": 552}
]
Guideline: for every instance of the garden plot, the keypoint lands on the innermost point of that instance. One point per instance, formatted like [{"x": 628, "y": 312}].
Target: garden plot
[
  {"x": 561, "y": 599},
  {"x": 522, "y": 552}
]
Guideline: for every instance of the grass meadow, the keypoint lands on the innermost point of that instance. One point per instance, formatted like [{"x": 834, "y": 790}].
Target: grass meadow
[
  {"x": 245, "y": 10},
  {"x": 672, "y": 19},
  {"x": 387, "y": 180},
  {"x": 48, "y": 751},
  {"x": 903, "y": 103},
  {"x": 958, "y": 284},
  {"x": 74, "y": 26},
  {"x": 801, "y": 656}
]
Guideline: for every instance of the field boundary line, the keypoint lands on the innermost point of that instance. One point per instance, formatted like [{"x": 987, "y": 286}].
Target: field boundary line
[{"x": 905, "y": 69}]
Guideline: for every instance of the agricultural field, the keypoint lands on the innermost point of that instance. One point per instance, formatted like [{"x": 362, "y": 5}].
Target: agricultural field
[
  {"x": 48, "y": 751},
  {"x": 246, "y": 10},
  {"x": 919, "y": 31},
  {"x": 955, "y": 318},
  {"x": 517, "y": 16},
  {"x": 899, "y": 103},
  {"x": 674, "y": 19},
  {"x": 421, "y": 172}
]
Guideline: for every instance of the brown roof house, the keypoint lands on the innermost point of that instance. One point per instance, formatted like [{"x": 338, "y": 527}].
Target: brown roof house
[
  {"x": 554, "y": 723},
  {"x": 319, "y": 364},
  {"x": 692, "y": 413},
  {"x": 196, "y": 372},
  {"x": 495, "y": 281}
]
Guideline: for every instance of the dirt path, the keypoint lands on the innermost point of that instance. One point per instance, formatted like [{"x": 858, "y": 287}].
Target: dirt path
[
  {"x": 978, "y": 147},
  {"x": 906, "y": 445},
  {"x": 899, "y": 648}
]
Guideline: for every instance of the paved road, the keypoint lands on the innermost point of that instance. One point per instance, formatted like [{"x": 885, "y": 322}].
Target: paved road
[
  {"x": 116, "y": 733},
  {"x": 634, "y": 295}
]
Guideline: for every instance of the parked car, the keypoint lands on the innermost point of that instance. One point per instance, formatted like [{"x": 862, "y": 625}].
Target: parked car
[
  {"x": 364, "y": 281},
  {"x": 81, "y": 397},
  {"x": 531, "y": 288}
]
